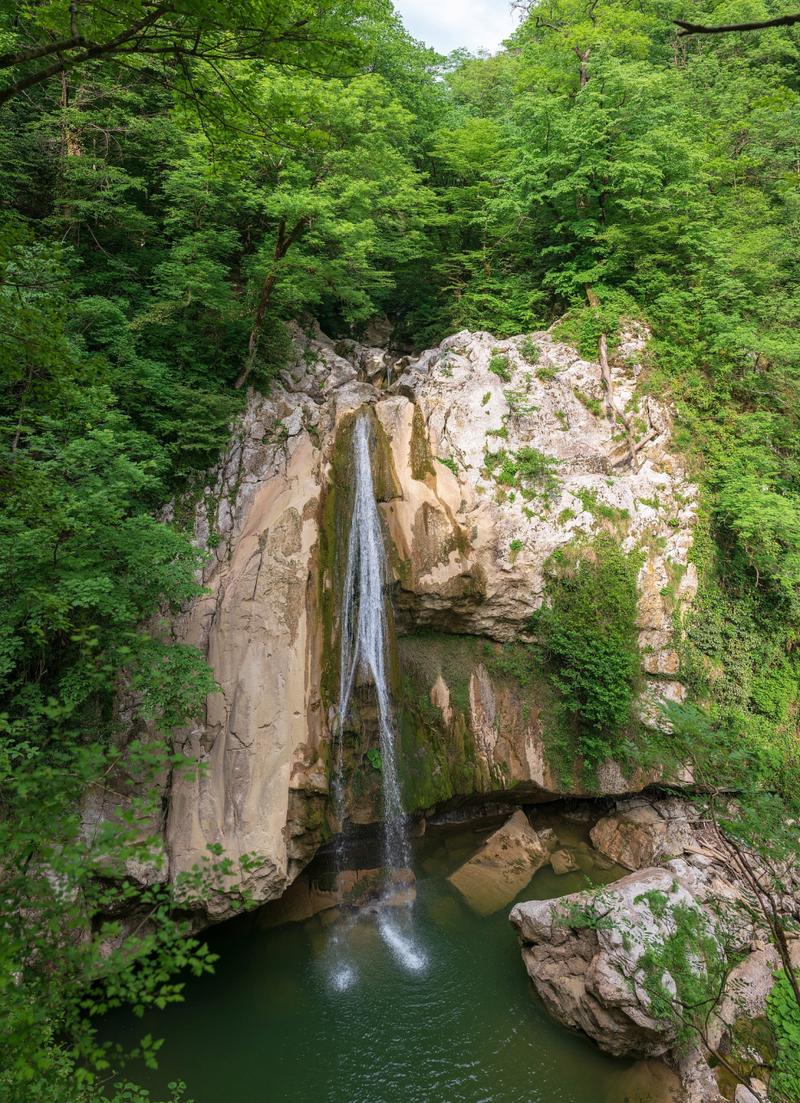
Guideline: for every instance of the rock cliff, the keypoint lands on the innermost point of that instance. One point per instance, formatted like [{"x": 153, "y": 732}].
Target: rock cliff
[{"x": 469, "y": 530}]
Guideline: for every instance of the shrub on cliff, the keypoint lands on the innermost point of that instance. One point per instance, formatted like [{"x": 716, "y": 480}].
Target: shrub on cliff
[{"x": 587, "y": 631}]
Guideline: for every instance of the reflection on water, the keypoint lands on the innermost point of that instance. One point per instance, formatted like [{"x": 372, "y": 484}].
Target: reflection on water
[
  {"x": 397, "y": 931},
  {"x": 422, "y": 1004},
  {"x": 344, "y": 944}
]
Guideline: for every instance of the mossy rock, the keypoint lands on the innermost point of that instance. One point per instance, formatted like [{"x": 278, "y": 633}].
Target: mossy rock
[{"x": 421, "y": 456}]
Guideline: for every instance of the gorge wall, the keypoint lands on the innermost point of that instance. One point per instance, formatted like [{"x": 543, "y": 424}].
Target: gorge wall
[{"x": 468, "y": 538}]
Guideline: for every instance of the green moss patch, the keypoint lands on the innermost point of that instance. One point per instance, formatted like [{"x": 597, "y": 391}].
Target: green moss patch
[{"x": 421, "y": 455}]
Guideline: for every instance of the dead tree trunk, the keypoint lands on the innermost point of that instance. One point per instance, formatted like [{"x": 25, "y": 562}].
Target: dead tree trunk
[
  {"x": 583, "y": 58},
  {"x": 70, "y": 147},
  {"x": 614, "y": 411}
]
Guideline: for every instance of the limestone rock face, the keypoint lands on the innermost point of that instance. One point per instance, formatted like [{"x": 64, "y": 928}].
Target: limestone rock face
[
  {"x": 644, "y": 832},
  {"x": 477, "y": 397},
  {"x": 502, "y": 867},
  {"x": 466, "y": 552},
  {"x": 585, "y": 954},
  {"x": 258, "y": 745}
]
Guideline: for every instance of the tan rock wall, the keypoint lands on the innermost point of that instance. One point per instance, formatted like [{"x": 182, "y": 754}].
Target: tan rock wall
[{"x": 269, "y": 519}]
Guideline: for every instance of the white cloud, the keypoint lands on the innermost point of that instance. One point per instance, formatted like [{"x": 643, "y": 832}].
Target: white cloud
[{"x": 447, "y": 24}]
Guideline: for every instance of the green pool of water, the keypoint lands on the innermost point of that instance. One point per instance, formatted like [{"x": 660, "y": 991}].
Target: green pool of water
[{"x": 437, "y": 1009}]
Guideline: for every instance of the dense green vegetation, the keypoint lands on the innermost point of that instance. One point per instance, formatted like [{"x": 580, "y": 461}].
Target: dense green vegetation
[
  {"x": 178, "y": 179},
  {"x": 784, "y": 1017},
  {"x": 159, "y": 213},
  {"x": 588, "y": 636}
]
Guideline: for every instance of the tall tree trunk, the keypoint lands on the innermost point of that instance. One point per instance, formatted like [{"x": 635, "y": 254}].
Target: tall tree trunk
[
  {"x": 583, "y": 58},
  {"x": 605, "y": 371},
  {"x": 283, "y": 244},
  {"x": 70, "y": 147}
]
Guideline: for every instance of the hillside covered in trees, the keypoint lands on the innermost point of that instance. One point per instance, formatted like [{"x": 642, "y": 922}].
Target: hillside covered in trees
[{"x": 178, "y": 181}]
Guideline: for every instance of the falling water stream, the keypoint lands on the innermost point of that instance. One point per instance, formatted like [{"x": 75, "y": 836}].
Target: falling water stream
[
  {"x": 363, "y": 659},
  {"x": 364, "y": 639}
]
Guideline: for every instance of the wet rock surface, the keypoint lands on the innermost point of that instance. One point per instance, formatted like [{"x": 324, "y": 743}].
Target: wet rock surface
[{"x": 347, "y": 890}]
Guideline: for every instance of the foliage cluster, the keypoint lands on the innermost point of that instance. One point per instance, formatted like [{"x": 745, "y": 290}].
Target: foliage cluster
[
  {"x": 682, "y": 972},
  {"x": 575, "y": 916},
  {"x": 586, "y": 629},
  {"x": 499, "y": 366},
  {"x": 528, "y": 470},
  {"x": 747, "y": 788},
  {"x": 783, "y": 1015}
]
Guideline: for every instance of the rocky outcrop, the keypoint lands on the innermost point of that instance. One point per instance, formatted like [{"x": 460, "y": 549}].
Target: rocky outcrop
[
  {"x": 468, "y": 537},
  {"x": 481, "y": 533},
  {"x": 588, "y": 955},
  {"x": 472, "y": 534},
  {"x": 626, "y": 963},
  {"x": 503, "y": 866},
  {"x": 640, "y": 833}
]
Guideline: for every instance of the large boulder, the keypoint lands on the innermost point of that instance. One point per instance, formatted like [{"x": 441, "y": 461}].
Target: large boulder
[
  {"x": 642, "y": 832},
  {"x": 503, "y": 866},
  {"x": 592, "y": 957},
  {"x": 619, "y": 963}
]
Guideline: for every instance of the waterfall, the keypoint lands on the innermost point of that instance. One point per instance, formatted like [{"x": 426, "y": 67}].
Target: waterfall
[
  {"x": 363, "y": 658},
  {"x": 364, "y": 645}
]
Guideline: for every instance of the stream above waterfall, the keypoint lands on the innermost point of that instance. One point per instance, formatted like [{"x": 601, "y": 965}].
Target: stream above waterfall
[{"x": 274, "y": 1024}]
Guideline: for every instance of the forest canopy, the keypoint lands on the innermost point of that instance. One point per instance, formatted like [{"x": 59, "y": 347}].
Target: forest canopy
[{"x": 177, "y": 181}]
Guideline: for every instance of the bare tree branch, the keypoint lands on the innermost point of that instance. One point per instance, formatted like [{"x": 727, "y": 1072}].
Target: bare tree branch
[
  {"x": 21, "y": 56},
  {"x": 162, "y": 31},
  {"x": 97, "y": 50},
  {"x": 725, "y": 28}
]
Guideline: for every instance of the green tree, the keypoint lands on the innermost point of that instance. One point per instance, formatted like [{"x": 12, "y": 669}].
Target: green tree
[
  {"x": 340, "y": 202},
  {"x": 56, "y": 37}
]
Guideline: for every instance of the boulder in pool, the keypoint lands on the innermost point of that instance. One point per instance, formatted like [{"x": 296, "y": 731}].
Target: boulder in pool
[
  {"x": 503, "y": 866},
  {"x": 587, "y": 955},
  {"x": 563, "y": 862}
]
